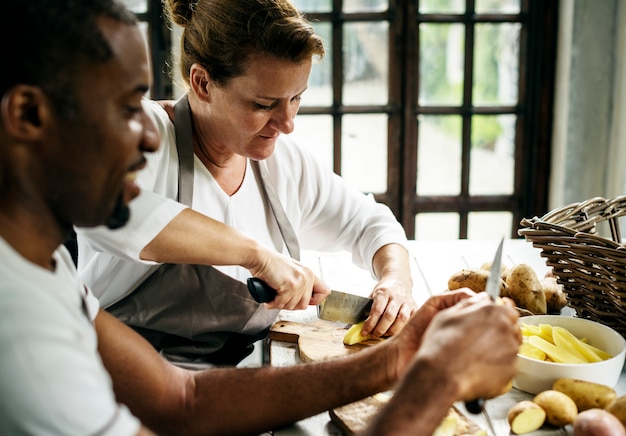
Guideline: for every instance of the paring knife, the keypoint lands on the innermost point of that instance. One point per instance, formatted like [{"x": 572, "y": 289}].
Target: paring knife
[
  {"x": 493, "y": 290},
  {"x": 338, "y": 306}
]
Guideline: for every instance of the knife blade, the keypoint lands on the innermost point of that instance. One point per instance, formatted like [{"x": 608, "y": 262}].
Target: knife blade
[
  {"x": 493, "y": 281},
  {"x": 338, "y": 306},
  {"x": 493, "y": 290}
]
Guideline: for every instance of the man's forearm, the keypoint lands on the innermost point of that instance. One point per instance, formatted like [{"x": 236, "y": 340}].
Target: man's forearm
[
  {"x": 233, "y": 400},
  {"x": 284, "y": 395},
  {"x": 411, "y": 410}
]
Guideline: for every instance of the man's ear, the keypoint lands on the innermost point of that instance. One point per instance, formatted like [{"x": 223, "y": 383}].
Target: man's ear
[
  {"x": 24, "y": 110},
  {"x": 200, "y": 82}
]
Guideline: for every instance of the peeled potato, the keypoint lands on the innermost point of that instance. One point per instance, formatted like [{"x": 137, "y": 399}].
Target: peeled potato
[
  {"x": 354, "y": 336},
  {"x": 525, "y": 417}
]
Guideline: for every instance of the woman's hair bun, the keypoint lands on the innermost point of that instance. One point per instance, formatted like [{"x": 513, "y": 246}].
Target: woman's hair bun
[{"x": 180, "y": 11}]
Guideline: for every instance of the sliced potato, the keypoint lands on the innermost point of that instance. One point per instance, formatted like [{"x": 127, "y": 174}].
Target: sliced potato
[
  {"x": 525, "y": 417},
  {"x": 555, "y": 353},
  {"x": 354, "y": 336},
  {"x": 530, "y": 351}
]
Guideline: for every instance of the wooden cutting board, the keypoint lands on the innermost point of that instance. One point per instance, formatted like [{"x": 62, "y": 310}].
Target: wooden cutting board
[
  {"x": 354, "y": 418},
  {"x": 323, "y": 340},
  {"x": 317, "y": 341}
]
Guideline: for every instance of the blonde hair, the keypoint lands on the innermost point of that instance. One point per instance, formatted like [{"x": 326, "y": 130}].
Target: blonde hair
[{"x": 221, "y": 35}]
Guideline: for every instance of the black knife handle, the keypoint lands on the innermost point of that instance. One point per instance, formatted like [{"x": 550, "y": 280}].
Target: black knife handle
[
  {"x": 260, "y": 291},
  {"x": 475, "y": 406}
]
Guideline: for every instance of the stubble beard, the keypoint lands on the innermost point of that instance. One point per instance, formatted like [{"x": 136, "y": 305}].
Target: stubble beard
[{"x": 120, "y": 215}]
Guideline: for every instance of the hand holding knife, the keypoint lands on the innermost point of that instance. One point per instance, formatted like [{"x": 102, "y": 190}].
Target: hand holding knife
[
  {"x": 493, "y": 290},
  {"x": 338, "y": 306}
]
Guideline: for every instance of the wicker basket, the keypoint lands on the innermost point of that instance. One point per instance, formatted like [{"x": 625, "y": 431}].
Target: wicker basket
[{"x": 591, "y": 268}]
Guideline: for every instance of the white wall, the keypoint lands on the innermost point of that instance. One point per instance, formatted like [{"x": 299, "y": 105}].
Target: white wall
[{"x": 589, "y": 137}]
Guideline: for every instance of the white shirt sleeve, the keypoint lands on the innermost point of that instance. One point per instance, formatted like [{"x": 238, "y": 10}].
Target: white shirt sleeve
[{"x": 328, "y": 213}]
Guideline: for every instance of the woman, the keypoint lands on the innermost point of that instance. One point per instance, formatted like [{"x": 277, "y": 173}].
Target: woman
[{"x": 246, "y": 65}]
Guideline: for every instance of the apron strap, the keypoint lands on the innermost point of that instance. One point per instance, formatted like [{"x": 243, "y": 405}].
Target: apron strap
[
  {"x": 184, "y": 148},
  {"x": 286, "y": 230}
]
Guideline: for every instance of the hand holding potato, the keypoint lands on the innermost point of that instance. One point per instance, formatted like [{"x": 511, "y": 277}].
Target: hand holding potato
[{"x": 478, "y": 342}]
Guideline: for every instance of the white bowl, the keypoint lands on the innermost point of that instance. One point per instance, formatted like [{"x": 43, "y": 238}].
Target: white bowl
[{"x": 534, "y": 376}]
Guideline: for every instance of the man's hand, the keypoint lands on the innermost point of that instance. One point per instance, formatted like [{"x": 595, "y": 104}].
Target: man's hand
[{"x": 474, "y": 344}]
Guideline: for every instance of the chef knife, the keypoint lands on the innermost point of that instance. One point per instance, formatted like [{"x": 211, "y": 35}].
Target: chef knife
[
  {"x": 338, "y": 306},
  {"x": 493, "y": 290}
]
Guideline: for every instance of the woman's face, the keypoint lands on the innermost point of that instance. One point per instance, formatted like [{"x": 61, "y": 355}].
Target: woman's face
[{"x": 248, "y": 114}]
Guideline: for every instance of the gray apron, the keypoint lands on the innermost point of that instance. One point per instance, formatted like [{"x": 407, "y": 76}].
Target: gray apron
[{"x": 195, "y": 314}]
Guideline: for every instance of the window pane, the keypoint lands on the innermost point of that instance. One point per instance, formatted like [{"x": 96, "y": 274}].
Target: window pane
[
  {"x": 496, "y": 64},
  {"x": 439, "y": 155},
  {"x": 489, "y": 225},
  {"x": 313, "y": 5},
  {"x": 492, "y": 157},
  {"x": 441, "y": 6},
  {"x": 364, "y": 152},
  {"x": 497, "y": 6},
  {"x": 320, "y": 90},
  {"x": 315, "y": 133},
  {"x": 365, "y": 5},
  {"x": 137, "y": 6},
  {"x": 366, "y": 57},
  {"x": 441, "y": 64},
  {"x": 436, "y": 226}
]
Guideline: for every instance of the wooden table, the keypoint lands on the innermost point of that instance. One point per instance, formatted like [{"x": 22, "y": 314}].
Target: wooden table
[{"x": 432, "y": 263}]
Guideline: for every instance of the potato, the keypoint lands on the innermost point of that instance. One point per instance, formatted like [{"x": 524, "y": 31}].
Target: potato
[
  {"x": 504, "y": 270},
  {"x": 555, "y": 297},
  {"x": 525, "y": 289},
  {"x": 530, "y": 351},
  {"x": 560, "y": 409},
  {"x": 475, "y": 279},
  {"x": 598, "y": 422},
  {"x": 525, "y": 417},
  {"x": 586, "y": 395},
  {"x": 353, "y": 335},
  {"x": 617, "y": 407}
]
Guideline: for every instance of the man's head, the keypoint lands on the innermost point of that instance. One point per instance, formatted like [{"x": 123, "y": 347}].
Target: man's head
[{"x": 72, "y": 127}]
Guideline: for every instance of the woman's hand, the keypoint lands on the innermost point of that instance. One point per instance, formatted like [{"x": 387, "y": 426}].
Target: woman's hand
[
  {"x": 296, "y": 285},
  {"x": 393, "y": 294},
  {"x": 392, "y": 307}
]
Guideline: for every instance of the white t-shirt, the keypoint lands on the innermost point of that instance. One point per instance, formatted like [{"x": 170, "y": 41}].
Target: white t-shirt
[
  {"x": 52, "y": 380},
  {"x": 326, "y": 213}
]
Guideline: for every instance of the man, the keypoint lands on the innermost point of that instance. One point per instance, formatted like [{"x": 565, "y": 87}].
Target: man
[{"x": 72, "y": 135}]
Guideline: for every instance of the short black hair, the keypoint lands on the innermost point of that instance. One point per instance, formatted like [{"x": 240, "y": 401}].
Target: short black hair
[{"x": 45, "y": 42}]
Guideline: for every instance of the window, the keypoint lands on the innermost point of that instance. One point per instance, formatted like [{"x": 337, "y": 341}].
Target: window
[{"x": 441, "y": 109}]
